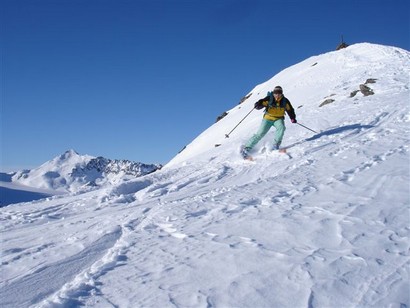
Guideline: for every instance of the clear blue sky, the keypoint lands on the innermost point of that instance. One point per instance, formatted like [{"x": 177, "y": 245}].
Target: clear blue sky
[{"x": 140, "y": 79}]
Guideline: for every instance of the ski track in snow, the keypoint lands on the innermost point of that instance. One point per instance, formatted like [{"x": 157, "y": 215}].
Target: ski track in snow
[{"x": 308, "y": 229}]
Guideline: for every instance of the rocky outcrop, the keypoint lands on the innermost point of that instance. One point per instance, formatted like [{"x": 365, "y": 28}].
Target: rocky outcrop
[{"x": 108, "y": 166}]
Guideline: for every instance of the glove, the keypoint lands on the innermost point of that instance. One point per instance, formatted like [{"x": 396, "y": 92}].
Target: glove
[
  {"x": 293, "y": 121},
  {"x": 258, "y": 105}
]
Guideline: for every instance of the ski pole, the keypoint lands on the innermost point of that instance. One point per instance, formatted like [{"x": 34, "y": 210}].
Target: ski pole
[
  {"x": 307, "y": 128},
  {"x": 227, "y": 135}
]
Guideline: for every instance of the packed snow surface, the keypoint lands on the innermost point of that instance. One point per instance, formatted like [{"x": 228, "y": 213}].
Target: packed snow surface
[{"x": 325, "y": 225}]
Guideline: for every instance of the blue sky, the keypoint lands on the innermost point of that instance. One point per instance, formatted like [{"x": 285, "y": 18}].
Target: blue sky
[{"x": 140, "y": 79}]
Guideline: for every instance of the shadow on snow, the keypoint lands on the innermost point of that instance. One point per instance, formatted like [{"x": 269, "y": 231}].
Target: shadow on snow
[{"x": 331, "y": 132}]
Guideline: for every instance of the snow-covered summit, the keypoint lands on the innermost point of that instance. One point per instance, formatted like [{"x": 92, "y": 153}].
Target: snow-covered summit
[
  {"x": 69, "y": 155},
  {"x": 71, "y": 171}
]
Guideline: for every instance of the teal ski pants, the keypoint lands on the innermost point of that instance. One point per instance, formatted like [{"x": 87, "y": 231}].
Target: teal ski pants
[{"x": 264, "y": 128}]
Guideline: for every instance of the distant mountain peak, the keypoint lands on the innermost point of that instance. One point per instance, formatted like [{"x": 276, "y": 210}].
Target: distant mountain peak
[
  {"x": 71, "y": 152},
  {"x": 71, "y": 171},
  {"x": 68, "y": 155}
]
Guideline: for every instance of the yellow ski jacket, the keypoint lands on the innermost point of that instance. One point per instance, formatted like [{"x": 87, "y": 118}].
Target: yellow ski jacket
[{"x": 277, "y": 109}]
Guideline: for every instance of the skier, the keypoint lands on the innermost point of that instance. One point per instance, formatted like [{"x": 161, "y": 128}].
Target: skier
[{"x": 276, "y": 104}]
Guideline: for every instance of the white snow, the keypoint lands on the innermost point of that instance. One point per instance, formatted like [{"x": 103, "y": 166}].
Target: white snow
[{"x": 325, "y": 226}]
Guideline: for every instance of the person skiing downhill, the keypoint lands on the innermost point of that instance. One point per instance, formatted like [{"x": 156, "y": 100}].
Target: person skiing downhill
[{"x": 276, "y": 105}]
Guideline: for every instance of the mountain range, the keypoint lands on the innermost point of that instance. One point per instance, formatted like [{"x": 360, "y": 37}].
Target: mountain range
[{"x": 69, "y": 172}]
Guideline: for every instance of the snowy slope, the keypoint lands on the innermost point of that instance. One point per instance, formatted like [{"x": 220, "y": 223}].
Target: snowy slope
[
  {"x": 334, "y": 75},
  {"x": 325, "y": 226},
  {"x": 11, "y": 193}
]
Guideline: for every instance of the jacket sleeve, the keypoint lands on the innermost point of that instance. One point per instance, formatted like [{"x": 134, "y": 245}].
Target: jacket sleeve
[
  {"x": 263, "y": 102},
  {"x": 290, "y": 111}
]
